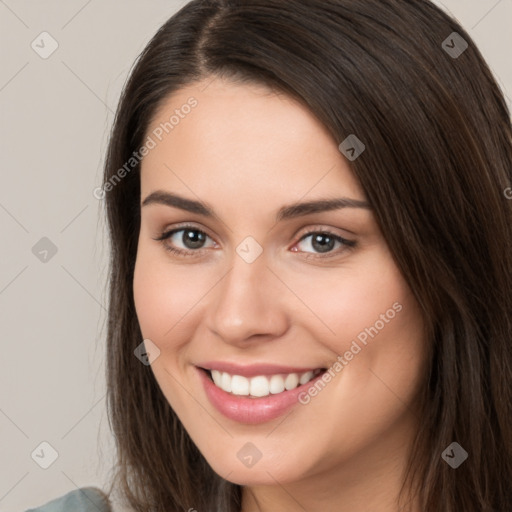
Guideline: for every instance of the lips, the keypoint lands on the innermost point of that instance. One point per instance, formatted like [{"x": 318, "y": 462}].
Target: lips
[{"x": 244, "y": 408}]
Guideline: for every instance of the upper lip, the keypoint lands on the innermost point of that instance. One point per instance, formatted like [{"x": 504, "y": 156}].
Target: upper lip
[{"x": 253, "y": 370}]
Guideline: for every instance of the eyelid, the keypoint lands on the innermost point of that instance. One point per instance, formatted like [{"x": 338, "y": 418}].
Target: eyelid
[
  {"x": 166, "y": 232},
  {"x": 320, "y": 228}
]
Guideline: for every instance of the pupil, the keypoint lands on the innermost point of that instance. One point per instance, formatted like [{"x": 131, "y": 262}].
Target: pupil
[
  {"x": 322, "y": 247},
  {"x": 193, "y": 239}
]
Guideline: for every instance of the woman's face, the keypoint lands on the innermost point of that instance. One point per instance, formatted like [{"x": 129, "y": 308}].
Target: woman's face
[{"x": 269, "y": 293}]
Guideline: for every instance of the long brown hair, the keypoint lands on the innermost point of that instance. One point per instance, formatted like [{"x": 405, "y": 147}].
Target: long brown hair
[{"x": 437, "y": 163}]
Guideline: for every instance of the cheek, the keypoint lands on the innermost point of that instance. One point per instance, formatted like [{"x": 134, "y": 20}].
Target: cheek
[
  {"x": 164, "y": 295},
  {"x": 152, "y": 300},
  {"x": 371, "y": 319},
  {"x": 351, "y": 300}
]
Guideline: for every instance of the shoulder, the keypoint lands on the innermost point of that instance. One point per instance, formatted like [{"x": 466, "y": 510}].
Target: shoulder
[{"x": 84, "y": 499}]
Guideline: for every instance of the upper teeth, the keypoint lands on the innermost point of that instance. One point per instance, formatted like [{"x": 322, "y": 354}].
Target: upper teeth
[{"x": 261, "y": 385}]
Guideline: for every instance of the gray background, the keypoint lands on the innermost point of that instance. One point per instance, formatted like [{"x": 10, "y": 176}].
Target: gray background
[{"x": 55, "y": 117}]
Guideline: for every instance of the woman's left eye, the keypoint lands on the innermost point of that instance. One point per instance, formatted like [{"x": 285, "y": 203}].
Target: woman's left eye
[
  {"x": 193, "y": 240},
  {"x": 324, "y": 242}
]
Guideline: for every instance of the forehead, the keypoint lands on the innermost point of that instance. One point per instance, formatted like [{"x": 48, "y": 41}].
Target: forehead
[{"x": 242, "y": 141}]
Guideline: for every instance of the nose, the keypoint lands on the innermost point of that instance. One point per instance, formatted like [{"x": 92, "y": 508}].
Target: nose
[{"x": 249, "y": 304}]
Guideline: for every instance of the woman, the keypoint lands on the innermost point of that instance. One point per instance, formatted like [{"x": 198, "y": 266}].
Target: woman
[{"x": 311, "y": 274}]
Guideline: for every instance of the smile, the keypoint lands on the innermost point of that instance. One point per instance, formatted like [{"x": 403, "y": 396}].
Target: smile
[
  {"x": 261, "y": 385},
  {"x": 262, "y": 395}
]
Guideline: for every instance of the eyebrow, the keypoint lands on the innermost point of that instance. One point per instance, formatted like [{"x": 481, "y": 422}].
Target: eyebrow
[{"x": 286, "y": 212}]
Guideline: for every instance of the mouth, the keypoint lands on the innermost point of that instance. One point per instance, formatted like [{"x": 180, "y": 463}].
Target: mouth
[
  {"x": 261, "y": 385},
  {"x": 259, "y": 398}
]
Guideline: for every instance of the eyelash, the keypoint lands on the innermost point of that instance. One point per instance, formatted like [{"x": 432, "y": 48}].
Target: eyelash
[{"x": 349, "y": 244}]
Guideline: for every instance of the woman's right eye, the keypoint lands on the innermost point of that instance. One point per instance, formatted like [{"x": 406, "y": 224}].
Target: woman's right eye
[{"x": 193, "y": 240}]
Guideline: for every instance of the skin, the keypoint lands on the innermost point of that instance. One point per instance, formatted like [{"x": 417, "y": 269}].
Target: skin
[{"x": 247, "y": 151}]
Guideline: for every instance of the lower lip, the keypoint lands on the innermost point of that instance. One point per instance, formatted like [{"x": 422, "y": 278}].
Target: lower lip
[{"x": 252, "y": 410}]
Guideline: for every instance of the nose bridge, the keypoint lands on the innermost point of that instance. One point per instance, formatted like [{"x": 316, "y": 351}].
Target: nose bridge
[{"x": 246, "y": 302}]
